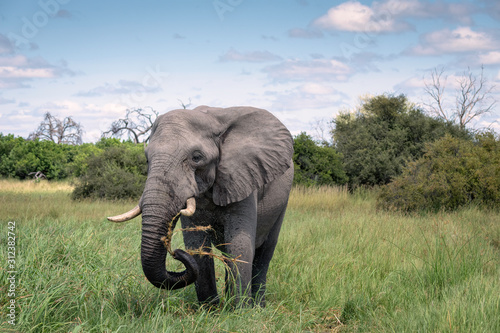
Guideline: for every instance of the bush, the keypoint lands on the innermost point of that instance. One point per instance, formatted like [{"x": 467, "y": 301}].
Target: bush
[
  {"x": 21, "y": 157},
  {"x": 316, "y": 165},
  {"x": 382, "y": 136},
  {"x": 119, "y": 171},
  {"x": 452, "y": 173},
  {"x": 78, "y": 156}
]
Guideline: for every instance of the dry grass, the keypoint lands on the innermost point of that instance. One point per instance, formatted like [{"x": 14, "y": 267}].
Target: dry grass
[
  {"x": 30, "y": 186},
  {"x": 34, "y": 201}
]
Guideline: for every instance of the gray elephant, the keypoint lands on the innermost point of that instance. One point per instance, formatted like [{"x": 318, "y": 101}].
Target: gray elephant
[{"x": 230, "y": 169}]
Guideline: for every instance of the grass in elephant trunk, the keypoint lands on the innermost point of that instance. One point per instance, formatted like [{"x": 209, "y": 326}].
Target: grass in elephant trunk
[
  {"x": 340, "y": 265},
  {"x": 167, "y": 241}
]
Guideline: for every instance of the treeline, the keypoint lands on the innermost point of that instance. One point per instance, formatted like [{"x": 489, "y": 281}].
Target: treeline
[
  {"x": 20, "y": 157},
  {"x": 108, "y": 169},
  {"x": 417, "y": 161}
]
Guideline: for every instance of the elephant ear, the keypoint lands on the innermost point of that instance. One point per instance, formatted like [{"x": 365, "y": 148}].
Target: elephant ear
[{"x": 255, "y": 149}]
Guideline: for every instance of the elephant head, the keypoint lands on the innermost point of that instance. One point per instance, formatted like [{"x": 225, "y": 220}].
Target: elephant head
[{"x": 227, "y": 153}]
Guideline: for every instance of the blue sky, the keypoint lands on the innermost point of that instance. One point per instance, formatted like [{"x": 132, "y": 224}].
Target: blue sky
[{"x": 303, "y": 60}]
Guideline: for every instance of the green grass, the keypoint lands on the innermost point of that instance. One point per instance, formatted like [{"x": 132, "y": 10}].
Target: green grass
[{"x": 340, "y": 266}]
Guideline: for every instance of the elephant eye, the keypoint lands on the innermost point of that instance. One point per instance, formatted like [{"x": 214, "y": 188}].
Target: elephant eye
[{"x": 197, "y": 157}]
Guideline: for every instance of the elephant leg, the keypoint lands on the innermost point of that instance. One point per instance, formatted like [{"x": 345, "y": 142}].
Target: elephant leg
[
  {"x": 206, "y": 286},
  {"x": 240, "y": 223},
  {"x": 263, "y": 256}
]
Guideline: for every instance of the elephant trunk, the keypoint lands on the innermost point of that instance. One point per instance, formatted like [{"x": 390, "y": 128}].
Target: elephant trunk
[{"x": 154, "y": 253}]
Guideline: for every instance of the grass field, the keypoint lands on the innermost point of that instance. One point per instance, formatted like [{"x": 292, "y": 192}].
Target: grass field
[{"x": 340, "y": 266}]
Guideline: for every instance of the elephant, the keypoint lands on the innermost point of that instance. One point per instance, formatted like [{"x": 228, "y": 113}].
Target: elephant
[{"x": 227, "y": 168}]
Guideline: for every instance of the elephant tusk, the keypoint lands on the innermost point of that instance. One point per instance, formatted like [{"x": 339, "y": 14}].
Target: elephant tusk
[
  {"x": 136, "y": 211},
  {"x": 190, "y": 209}
]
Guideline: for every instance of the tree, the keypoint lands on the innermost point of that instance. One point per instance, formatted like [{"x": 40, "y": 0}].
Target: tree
[
  {"x": 315, "y": 164},
  {"x": 382, "y": 135},
  {"x": 66, "y": 131},
  {"x": 136, "y": 125},
  {"x": 473, "y": 97}
]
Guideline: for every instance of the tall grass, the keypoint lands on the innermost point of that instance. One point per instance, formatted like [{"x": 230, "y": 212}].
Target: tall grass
[{"x": 340, "y": 265}]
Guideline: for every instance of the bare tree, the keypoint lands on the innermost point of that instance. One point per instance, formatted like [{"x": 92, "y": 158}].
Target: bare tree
[
  {"x": 185, "y": 106},
  {"x": 322, "y": 131},
  {"x": 65, "y": 131},
  {"x": 473, "y": 97},
  {"x": 435, "y": 89},
  {"x": 136, "y": 125}
]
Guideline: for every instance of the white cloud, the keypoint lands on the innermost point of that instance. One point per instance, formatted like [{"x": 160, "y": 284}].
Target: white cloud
[
  {"x": 17, "y": 70},
  {"x": 255, "y": 56},
  {"x": 309, "y": 96},
  {"x": 316, "y": 89},
  {"x": 462, "y": 39},
  {"x": 456, "y": 12},
  {"x": 6, "y": 100},
  {"x": 62, "y": 108},
  {"x": 26, "y": 73},
  {"x": 356, "y": 17},
  {"x": 411, "y": 84},
  {"x": 313, "y": 70},
  {"x": 391, "y": 15},
  {"x": 299, "y": 106},
  {"x": 490, "y": 58},
  {"x": 401, "y": 7},
  {"x": 21, "y": 122}
]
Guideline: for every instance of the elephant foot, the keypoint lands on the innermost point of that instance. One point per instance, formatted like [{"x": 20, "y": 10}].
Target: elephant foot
[{"x": 211, "y": 304}]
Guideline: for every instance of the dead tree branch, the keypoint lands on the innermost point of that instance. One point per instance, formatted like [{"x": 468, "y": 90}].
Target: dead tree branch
[
  {"x": 435, "y": 89},
  {"x": 66, "y": 131},
  {"x": 136, "y": 125},
  {"x": 473, "y": 97}
]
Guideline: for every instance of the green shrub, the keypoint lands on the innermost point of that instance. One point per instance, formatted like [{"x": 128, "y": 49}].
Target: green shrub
[
  {"x": 21, "y": 157},
  {"x": 316, "y": 165},
  {"x": 77, "y": 158},
  {"x": 119, "y": 171},
  {"x": 452, "y": 173}
]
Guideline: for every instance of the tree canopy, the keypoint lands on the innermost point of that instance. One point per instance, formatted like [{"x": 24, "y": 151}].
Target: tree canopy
[
  {"x": 382, "y": 135},
  {"x": 315, "y": 164}
]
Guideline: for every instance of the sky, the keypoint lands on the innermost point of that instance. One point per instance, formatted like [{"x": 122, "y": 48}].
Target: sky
[{"x": 303, "y": 60}]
